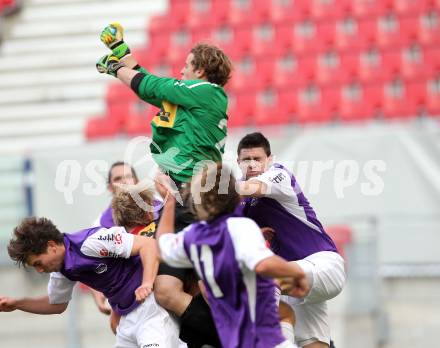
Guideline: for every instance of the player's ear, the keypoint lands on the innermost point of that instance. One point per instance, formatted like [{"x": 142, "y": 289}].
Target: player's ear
[{"x": 200, "y": 74}]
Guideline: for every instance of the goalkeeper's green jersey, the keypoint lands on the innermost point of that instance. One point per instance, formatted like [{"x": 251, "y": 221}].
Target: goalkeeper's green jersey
[{"x": 191, "y": 126}]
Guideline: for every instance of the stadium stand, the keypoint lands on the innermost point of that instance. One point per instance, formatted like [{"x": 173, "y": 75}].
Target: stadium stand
[{"x": 334, "y": 60}]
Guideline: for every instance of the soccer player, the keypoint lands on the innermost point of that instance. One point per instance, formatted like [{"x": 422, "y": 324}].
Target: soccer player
[
  {"x": 119, "y": 173},
  {"x": 121, "y": 265},
  {"x": 275, "y": 200},
  {"x": 231, "y": 258},
  {"x": 191, "y": 127}
]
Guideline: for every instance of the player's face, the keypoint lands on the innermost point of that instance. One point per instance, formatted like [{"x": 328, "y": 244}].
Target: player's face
[
  {"x": 121, "y": 175},
  {"x": 188, "y": 72},
  {"x": 50, "y": 261},
  {"x": 253, "y": 162}
]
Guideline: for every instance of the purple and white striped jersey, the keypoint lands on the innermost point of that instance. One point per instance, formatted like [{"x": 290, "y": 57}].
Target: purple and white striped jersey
[
  {"x": 225, "y": 252},
  {"x": 99, "y": 258},
  {"x": 298, "y": 232}
]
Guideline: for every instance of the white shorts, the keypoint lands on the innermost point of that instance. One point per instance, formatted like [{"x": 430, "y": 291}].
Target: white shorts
[
  {"x": 149, "y": 325},
  {"x": 325, "y": 271}
]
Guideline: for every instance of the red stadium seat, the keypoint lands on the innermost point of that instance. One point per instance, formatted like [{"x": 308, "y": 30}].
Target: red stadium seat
[
  {"x": 329, "y": 9},
  {"x": 397, "y": 100},
  {"x": 354, "y": 34},
  {"x": 358, "y": 102},
  {"x": 432, "y": 88},
  {"x": 235, "y": 41},
  {"x": 241, "y": 109},
  {"x": 306, "y": 36},
  {"x": 341, "y": 235},
  {"x": 370, "y": 8},
  {"x": 429, "y": 27},
  {"x": 293, "y": 71},
  {"x": 410, "y": 7},
  {"x": 101, "y": 127},
  {"x": 333, "y": 68},
  {"x": 269, "y": 110},
  {"x": 288, "y": 11},
  {"x": 392, "y": 31},
  {"x": 377, "y": 66},
  {"x": 316, "y": 104},
  {"x": 414, "y": 63}
]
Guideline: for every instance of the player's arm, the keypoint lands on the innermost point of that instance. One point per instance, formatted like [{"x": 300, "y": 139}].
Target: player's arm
[
  {"x": 252, "y": 188},
  {"x": 148, "y": 251},
  {"x": 37, "y": 305},
  {"x": 101, "y": 301},
  {"x": 251, "y": 250}
]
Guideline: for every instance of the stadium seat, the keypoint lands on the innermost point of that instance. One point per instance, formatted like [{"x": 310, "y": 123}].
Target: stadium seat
[
  {"x": 329, "y": 9},
  {"x": 245, "y": 71},
  {"x": 354, "y": 34},
  {"x": 393, "y": 31},
  {"x": 341, "y": 235},
  {"x": 306, "y": 36},
  {"x": 316, "y": 104},
  {"x": 432, "y": 58},
  {"x": 235, "y": 41},
  {"x": 370, "y": 8},
  {"x": 410, "y": 7},
  {"x": 269, "y": 110},
  {"x": 289, "y": 11},
  {"x": 293, "y": 71},
  {"x": 264, "y": 41},
  {"x": 432, "y": 88},
  {"x": 101, "y": 127},
  {"x": 241, "y": 109},
  {"x": 119, "y": 99},
  {"x": 413, "y": 63},
  {"x": 334, "y": 68},
  {"x": 429, "y": 27},
  {"x": 358, "y": 102},
  {"x": 397, "y": 100},
  {"x": 375, "y": 65}
]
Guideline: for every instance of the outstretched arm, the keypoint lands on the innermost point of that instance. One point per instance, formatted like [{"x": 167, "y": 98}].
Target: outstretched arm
[
  {"x": 148, "y": 251},
  {"x": 294, "y": 281},
  {"x": 37, "y": 305}
]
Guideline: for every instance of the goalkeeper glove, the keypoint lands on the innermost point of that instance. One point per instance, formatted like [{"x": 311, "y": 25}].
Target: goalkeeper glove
[
  {"x": 113, "y": 37},
  {"x": 109, "y": 64}
]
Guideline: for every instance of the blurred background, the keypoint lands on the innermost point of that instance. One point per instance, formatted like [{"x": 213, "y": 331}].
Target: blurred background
[{"x": 347, "y": 91}]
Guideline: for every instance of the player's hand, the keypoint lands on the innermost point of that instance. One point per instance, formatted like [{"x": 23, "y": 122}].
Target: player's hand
[
  {"x": 268, "y": 233},
  {"x": 113, "y": 37},
  {"x": 109, "y": 64},
  {"x": 294, "y": 286},
  {"x": 7, "y": 304},
  {"x": 101, "y": 302},
  {"x": 143, "y": 291}
]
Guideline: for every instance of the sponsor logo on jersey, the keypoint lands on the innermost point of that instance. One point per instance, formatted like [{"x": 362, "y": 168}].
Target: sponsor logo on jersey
[
  {"x": 277, "y": 179},
  {"x": 101, "y": 268}
]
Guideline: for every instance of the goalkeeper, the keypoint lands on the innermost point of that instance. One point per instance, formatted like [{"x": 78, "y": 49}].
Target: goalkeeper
[{"x": 191, "y": 127}]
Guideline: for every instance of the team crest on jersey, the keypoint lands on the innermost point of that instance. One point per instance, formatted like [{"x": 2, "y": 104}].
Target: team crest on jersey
[{"x": 101, "y": 268}]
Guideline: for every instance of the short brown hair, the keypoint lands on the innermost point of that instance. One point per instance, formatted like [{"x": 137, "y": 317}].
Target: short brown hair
[
  {"x": 216, "y": 202},
  {"x": 31, "y": 238},
  {"x": 213, "y": 61},
  {"x": 128, "y": 213}
]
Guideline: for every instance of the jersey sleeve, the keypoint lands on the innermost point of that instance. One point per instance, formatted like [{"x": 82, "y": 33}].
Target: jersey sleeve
[
  {"x": 59, "y": 288},
  {"x": 172, "y": 250},
  {"x": 109, "y": 242},
  {"x": 150, "y": 99},
  {"x": 278, "y": 183},
  {"x": 184, "y": 93},
  {"x": 250, "y": 247}
]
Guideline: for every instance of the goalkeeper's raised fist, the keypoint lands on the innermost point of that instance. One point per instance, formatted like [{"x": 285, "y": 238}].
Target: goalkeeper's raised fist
[
  {"x": 113, "y": 37},
  {"x": 109, "y": 64}
]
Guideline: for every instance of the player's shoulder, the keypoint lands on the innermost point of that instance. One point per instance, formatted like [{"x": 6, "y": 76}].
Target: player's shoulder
[
  {"x": 240, "y": 223},
  {"x": 197, "y": 85},
  {"x": 277, "y": 174}
]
